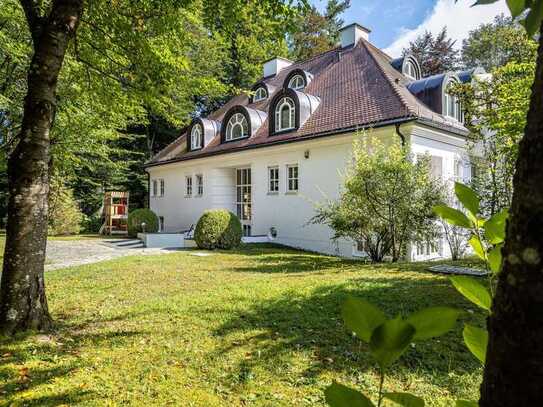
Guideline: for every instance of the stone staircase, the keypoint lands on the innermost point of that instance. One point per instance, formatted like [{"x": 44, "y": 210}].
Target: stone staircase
[{"x": 125, "y": 243}]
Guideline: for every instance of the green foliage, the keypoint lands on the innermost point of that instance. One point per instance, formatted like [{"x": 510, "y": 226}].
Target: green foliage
[
  {"x": 387, "y": 199},
  {"x": 65, "y": 218},
  {"x": 473, "y": 291},
  {"x": 476, "y": 340},
  {"x": 388, "y": 340},
  {"x": 139, "y": 216},
  {"x": 452, "y": 216},
  {"x": 532, "y": 20},
  {"x": 218, "y": 229},
  {"x": 435, "y": 54},
  {"x": 466, "y": 403}
]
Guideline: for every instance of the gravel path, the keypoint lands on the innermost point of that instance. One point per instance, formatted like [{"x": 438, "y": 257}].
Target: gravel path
[{"x": 67, "y": 253}]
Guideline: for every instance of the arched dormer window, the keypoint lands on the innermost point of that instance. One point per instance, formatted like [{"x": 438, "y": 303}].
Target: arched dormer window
[
  {"x": 410, "y": 70},
  {"x": 237, "y": 127},
  {"x": 196, "y": 137},
  {"x": 260, "y": 94},
  {"x": 297, "y": 82},
  {"x": 451, "y": 104},
  {"x": 285, "y": 114}
]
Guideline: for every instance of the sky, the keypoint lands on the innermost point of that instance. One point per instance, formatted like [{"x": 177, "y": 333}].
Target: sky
[{"x": 394, "y": 23}]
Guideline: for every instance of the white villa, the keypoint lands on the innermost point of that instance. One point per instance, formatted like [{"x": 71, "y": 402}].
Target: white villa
[{"x": 269, "y": 157}]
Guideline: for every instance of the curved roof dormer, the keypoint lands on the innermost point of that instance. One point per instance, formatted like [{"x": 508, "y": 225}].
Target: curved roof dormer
[
  {"x": 261, "y": 91},
  {"x": 297, "y": 79},
  {"x": 433, "y": 92},
  {"x": 470, "y": 74},
  {"x": 290, "y": 109},
  {"x": 241, "y": 122},
  {"x": 201, "y": 132},
  {"x": 409, "y": 66}
]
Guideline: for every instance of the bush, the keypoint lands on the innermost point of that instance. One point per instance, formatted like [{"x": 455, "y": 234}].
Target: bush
[
  {"x": 139, "y": 216},
  {"x": 218, "y": 229},
  {"x": 92, "y": 223},
  {"x": 65, "y": 217}
]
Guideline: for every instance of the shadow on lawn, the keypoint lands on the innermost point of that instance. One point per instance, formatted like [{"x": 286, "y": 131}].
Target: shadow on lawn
[
  {"x": 64, "y": 345},
  {"x": 311, "y": 326}
]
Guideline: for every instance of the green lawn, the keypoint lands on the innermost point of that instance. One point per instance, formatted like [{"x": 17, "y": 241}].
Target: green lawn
[{"x": 260, "y": 326}]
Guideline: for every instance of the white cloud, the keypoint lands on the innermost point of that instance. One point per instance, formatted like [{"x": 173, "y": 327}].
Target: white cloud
[{"x": 460, "y": 18}]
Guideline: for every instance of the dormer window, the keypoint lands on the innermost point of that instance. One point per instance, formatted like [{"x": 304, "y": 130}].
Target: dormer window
[
  {"x": 196, "y": 137},
  {"x": 237, "y": 127},
  {"x": 451, "y": 104},
  {"x": 285, "y": 114},
  {"x": 297, "y": 82},
  {"x": 410, "y": 70},
  {"x": 260, "y": 94}
]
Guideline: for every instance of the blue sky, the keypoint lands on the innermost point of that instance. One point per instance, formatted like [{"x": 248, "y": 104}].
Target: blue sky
[{"x": 395, "y": 22}]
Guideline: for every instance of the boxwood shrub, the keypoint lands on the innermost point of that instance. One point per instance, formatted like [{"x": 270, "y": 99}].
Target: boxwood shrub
[
  {"x": 139, "y": 216},
  {"x": 218, "y": 229}
]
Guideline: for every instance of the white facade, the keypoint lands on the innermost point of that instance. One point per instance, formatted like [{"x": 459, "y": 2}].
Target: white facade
[{"x": 320, "y": 163}]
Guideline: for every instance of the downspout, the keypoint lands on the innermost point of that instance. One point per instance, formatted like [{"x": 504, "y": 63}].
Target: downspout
[
  {"x": 148, "y": 203},
  {"x": 399, "y": 133}
]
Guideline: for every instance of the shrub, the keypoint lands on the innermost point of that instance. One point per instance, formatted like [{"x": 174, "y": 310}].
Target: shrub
[
  {"x": 218, "y": 229},
  {"x": 139, "y": 216},
  {"x": 92, "y": 223},
  {"x": 65, "y": 217}
]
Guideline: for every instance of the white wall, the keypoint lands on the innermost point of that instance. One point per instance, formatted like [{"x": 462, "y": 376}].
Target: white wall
[{"x": 319, "y": 179}]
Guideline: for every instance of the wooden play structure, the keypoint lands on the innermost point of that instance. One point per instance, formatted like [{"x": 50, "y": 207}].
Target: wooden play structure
[{"x": 115, "y": 213}]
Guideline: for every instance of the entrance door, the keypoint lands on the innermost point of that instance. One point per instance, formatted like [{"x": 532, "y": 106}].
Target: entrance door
[{"x": 244, "y": 199}]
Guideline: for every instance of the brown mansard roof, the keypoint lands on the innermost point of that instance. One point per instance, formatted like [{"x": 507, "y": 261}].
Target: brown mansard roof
[{"x": 358, "y": 88}]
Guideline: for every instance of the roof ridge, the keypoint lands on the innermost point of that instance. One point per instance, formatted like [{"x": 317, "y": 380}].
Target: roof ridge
[{"x": 389, "y": 79}]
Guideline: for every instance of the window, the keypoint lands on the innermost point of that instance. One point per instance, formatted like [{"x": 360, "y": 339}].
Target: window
[
  {"x": 196, "y": 137},
  {"x": 237, "y": 127},
  {"x": 155, "y": 187},
  {"x": 285, "y": 114},
  {"x": 273, "y": 179},
  {"x": 452, "y": 107},
  {"x": 297, "y": 82},
  {"x": 410, "y": 70},
  {"x": 161, "y": 187},
  {"x": 199, "y": 185},
  {"x": 292, "y": 178},
  {"x": 188, "y": 184},
  {"x": 436, "y": 166},
  {"x": 161, "y": 223},
  {"x": 260, "y": 94}
]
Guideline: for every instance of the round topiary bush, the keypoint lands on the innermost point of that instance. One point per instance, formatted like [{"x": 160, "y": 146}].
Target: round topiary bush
[
  {"x": 139, "y": 216},
  {"x": 218, "y": 229}
]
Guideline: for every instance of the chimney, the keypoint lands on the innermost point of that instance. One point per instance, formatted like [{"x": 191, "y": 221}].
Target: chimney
[
  {"x": 275, "y": 65},
  {"x": 350, "y": 34}
]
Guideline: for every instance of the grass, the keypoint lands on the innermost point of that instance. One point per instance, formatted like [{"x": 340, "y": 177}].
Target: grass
[{"x": 258, "y": 327}]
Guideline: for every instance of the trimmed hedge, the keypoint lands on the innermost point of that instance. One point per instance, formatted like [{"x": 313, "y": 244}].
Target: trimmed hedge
[
  {"x": 218, "y": 229},
  {"x": 135, "y": 219}
]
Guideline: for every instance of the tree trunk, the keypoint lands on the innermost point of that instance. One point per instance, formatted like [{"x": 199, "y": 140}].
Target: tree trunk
[
  {"x": 513, "y": 373},
  {"x": 22, "y": 292}
]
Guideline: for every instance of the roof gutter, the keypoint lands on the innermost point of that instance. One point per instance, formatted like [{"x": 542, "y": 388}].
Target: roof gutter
[{"x": 312, "y": 136}]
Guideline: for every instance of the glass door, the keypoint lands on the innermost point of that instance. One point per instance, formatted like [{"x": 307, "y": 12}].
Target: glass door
[{"x": 244, "y": 199}]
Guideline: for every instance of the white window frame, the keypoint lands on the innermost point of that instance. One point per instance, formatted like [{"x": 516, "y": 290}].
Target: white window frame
[
  {"x": 162, "y": 187},
  {"x": 410, "y": 70},
  {"x": 260, "y": 94},
  {"x": 161, "y": 223},
  {"x": 199, "y": 184},
  {"x": 297, "y": 82},
  {"x": 188, "y": 186},
  {"x": 237, "y": 119},
  {"x": 273, "y": 179},
  {"x": 289, "y": 103},
  {"x": 155, "y": 188},
  {"x": 295, "y": 180},
  {"x": 196, "y": 137}
]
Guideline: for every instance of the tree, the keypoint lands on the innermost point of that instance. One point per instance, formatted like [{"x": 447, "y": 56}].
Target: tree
[
  {"x": 316, "y": 32},
  {"x": 498, "y": 43},
  {"x": 435, "y": 54},
  {"x": 129, "y": 59},
  {"x": 387, "y": 200}
]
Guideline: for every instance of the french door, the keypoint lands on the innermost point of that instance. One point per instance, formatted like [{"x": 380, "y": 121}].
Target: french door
[{"x": 244, "y": 199}]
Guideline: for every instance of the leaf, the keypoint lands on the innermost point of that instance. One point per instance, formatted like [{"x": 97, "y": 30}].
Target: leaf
[
  {"x": 476, "y": 339},
  {"x": 533, "y": 20},
  {"x": 361, "y": 317},
  {"x": 452, "y": 216},
  {"x": 466, "y": 403},
  {"x": 516, "y": 7},
  {"x": 473, "y": 291},
  {"x": 468, "y": 197},
  {"x": 390, "y": 340},
  {"x": 495, "y": 258},
  {"x": 405, "y": 399},
  {"x": 433, "y": 321},
  {"x": 495, "y": 227},
  {"x": 338, "y": 395},
  {"x": 477, "y": 246}
]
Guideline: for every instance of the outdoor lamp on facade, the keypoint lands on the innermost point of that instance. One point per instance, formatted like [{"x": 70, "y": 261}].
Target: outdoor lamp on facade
[{"x": 143, "y": 227}]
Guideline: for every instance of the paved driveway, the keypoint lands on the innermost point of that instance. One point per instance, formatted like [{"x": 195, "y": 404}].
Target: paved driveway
[{"x": 66, "y": 253}]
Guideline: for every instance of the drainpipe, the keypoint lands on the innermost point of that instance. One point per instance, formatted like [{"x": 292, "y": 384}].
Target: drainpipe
[{"x": 399, "y": 133}]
